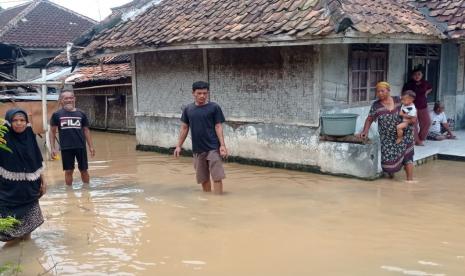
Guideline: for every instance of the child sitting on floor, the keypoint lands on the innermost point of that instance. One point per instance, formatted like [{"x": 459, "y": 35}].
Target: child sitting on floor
[{"x": 408, "y": 112}]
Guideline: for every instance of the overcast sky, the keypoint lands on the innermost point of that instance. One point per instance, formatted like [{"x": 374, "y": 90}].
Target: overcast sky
[{"x": 89, "y": 8}]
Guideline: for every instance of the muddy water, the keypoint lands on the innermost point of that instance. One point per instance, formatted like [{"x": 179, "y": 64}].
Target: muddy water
[{"x": 143, "y": 215}]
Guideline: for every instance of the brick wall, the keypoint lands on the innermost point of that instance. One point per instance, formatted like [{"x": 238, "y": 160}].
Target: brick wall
[
  {"x": 164, "y": 80},
  {"x": 274, "y": 84},
  {"x": 274, "y": 93}
]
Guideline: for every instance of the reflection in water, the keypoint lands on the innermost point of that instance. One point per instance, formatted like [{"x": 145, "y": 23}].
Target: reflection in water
[
  {"x": 142, "y": 215},
  {"x": 92, "y": 228}
]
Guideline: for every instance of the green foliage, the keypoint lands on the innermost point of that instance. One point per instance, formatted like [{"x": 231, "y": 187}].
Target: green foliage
[
  {"x": 9, "y": 269},
  {"x": 3, "y": 131},
  {"x": 8, "y": 223}
]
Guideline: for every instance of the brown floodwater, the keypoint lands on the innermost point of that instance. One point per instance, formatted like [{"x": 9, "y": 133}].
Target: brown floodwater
[{"x": 143, "y": 215}]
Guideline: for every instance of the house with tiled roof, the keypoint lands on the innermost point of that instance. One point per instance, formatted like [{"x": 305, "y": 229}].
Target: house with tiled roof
[
  {"x": 8, "y": 54},
  {"x": 276, "y": 65},
  {"x": 449, "y": 16},
  {"x": 102, "y": 86},
  {"x": 103, "y": 90},
  {"x": 41, "y": 28}
]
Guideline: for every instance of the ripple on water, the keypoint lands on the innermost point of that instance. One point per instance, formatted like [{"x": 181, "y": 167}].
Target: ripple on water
[
  {"x": 410, "y": 272},
  {"x": 279, "y": 217},
  {"x": 428, "y": 263},
  {"x": 154, "y": 199},
  {"x": 92, "y": 228},
  {"x": 193, "y": 262}
]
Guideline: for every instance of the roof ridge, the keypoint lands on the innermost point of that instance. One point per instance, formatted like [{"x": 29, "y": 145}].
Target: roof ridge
[
  {"x": 14, "y": 7},
  {"x": 425, "y": 11},
  {"x": 21, "y": 15},
  {"x": 70, "y": 11}
]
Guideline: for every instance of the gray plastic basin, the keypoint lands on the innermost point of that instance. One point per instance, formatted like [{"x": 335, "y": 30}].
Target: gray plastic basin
[{"x": 338, "y": 124}]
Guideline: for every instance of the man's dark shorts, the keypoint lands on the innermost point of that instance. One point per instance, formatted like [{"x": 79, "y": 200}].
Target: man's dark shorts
[
  {"x": 206, "y": 164},
  {"x": 69, "y": 155}
]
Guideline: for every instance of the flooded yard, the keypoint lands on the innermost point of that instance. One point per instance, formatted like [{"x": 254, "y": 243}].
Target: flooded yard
[{"x": 143, "y": 215}]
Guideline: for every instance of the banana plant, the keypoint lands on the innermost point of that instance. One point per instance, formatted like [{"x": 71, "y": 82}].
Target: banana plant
[
  {"x": 8, "y": 223},
  {"x": 3, "y": 131}
]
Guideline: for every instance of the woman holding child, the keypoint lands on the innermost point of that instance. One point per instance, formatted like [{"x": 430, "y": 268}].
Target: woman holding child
[{"x": 386, "y": 111}]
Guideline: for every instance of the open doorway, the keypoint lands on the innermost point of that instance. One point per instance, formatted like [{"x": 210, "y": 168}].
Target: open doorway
[{"x": 429, "y": 58}]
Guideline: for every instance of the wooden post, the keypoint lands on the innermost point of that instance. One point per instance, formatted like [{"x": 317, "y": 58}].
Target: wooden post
[
  {"x": 106, "y": 112},
  {"x": 126, "y": 106},
  {"x": 45, "y": 113},
  {"x": 135, "y": 100}
]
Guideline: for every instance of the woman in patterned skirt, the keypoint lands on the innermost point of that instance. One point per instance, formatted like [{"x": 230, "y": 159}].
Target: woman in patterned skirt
[
  {"x": 21, "y": 179},
  {"x": 386, "y": 112}
]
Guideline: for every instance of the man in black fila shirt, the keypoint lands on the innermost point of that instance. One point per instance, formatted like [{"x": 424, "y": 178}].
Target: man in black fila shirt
[{"x": 73, "y": 128}]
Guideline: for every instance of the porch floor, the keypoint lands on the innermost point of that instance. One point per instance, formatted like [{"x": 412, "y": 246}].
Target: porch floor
[{"x": 447, "y": 149}]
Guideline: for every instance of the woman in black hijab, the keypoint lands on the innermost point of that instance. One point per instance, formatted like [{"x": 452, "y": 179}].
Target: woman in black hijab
[{"x": 21, "y": 177}]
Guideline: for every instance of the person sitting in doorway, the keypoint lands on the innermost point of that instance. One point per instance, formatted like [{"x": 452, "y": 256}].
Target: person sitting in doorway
[{"x": 439, "y": 129}]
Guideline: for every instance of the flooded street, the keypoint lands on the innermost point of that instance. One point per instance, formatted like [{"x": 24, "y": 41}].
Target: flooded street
[{"x": 144, "y": 215}]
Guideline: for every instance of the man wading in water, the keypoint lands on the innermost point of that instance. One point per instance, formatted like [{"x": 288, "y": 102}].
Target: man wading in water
[
  {"x": 205, "y": 121},
  {"x": 73, "y": 128}
]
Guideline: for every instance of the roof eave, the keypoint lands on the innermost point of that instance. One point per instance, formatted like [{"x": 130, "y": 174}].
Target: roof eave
[{"x": 276, "y": 41}]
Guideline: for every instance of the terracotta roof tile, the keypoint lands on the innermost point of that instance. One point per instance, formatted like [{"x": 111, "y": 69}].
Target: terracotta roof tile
[
  {"x": 9, "y": 14},
  {"x": 95, "y": 74},
  {"x": 62, "y": 60},
  {"x": 450, "y": 12},
  {"x": 41, "y": 24},
  {"x": 187, "y": 21}
]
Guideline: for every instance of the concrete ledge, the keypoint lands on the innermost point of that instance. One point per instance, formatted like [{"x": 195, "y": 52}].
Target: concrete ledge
[
  {"x": 451, "y": 157},
  {"x": 425, "y": 160},
  {"x": 434, "y": 157},
  {"x": 258, "y": 162},
  {"x": 131, "y": 131}
]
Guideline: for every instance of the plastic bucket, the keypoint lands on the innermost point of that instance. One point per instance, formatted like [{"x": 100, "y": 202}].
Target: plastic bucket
[{"x": 338, "y": 124}]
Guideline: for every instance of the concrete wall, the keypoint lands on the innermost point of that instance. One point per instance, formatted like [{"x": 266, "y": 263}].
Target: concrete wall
[
  {"x": 452, "y": 92},
  {"x": 335, "y": 75},
  {"x": 397, "y": 67},
  {"x": 270, "y": 97},
  {"x": 460, "y": 97},
  {"x": 278, "y": 145},
  {"x": 335, "y": 81},
  {"x": 24, "y": 74},
  {"x": 449, "y": 65}
]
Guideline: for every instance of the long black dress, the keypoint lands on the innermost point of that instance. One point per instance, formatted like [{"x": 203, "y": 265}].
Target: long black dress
[{"x": 20, "y": 180}]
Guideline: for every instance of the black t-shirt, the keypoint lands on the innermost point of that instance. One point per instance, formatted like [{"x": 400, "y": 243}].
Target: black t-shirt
[
  {"x": 202, "y": 120},
  {"x": 70, "y": 128}
]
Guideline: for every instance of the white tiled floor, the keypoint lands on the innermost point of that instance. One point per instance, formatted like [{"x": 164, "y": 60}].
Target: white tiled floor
[{"x": 447, "y": 147}]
